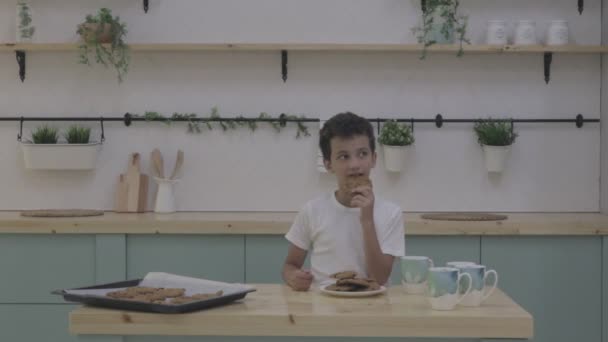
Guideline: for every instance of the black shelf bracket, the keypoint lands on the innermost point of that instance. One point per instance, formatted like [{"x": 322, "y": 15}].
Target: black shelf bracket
[
  {"x": 20, "y": 55},
  {"x": 146, "y": 5},
  {"x": 547, "y": 59},
  {"x": 581, "y": 5},
  {"x": 284, "y": 58}
]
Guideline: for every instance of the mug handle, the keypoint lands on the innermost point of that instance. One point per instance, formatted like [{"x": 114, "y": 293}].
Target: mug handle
[
  {"x": 493, "y": 287},
  {"x": 432, "y": 264},
  {"x": 470, "y": 282}
]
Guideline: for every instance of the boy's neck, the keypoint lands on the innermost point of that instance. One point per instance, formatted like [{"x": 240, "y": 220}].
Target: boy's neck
[{"x": 343, "y": 198}]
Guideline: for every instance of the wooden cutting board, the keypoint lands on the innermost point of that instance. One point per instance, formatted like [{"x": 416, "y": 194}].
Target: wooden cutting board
[{"x": 132, "y": 190}]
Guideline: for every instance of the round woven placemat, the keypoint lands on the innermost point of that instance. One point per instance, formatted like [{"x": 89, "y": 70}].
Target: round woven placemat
[
  {"x": 464, "y": 217},
  {"x": 61, "y": 213}
]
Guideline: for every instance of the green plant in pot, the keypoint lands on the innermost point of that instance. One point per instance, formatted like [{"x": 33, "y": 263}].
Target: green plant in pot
[
  {"x": 495, "y": 138},
  {"x": 45, "y": 135},
  {"x": 25, "y": 29},
  {"x": 103, "y": 39},
  {"x": 78, "y": 135},
  {"x": 441, "y": 24},
  {"x": 395, "y": 138}
]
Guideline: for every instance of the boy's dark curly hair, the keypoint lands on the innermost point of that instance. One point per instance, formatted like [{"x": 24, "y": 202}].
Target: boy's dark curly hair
[{"x": 345, "y": 125}]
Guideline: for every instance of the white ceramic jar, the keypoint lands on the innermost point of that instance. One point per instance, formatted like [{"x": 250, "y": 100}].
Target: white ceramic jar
[
  {"x": 525, "y": 33},
  {"x": 557, "y": 33},
  {"x": 496, "y": 33}
]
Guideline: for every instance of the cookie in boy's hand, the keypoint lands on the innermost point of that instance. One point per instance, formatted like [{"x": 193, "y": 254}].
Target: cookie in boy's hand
[{"x": 357, "y": 181}]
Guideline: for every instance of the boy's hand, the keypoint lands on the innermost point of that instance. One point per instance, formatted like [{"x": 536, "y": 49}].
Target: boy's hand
[
  {"x": 300, "y": 280},
  {"x": 363, "y": 197}
]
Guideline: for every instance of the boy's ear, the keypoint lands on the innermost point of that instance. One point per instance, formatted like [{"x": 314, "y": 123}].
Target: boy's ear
[
  {"x": 327, "y": 164},
  {"x": 374, "y": 156}
]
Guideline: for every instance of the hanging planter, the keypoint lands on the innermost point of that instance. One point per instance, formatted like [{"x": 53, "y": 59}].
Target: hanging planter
[
  {"x": 495, "y": 138},
  {"x": 45, "y": 153},
  {"x": 441, "y": 23},
  {"x": 103, "y": 40},
  {"x": 25, "y": 27},
  {"x": 396, "y": 140}
]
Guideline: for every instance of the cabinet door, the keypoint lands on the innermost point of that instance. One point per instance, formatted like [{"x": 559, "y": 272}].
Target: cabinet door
[
  {"x": 556, "y": 279},
  {"x": 214, "y": 257},
  {"x": 34, "y": 265}
]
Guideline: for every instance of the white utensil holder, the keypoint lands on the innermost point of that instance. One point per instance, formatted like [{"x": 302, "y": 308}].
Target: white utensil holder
[{"x": 165, "y": 200}]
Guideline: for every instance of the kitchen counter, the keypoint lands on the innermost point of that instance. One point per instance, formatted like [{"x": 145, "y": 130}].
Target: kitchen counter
[
  {"x": 276, "y": 310},
  {"x": 278, "y": 223}
]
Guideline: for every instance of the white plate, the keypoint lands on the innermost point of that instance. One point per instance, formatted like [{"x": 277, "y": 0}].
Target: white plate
[{"x": 323, "y": 289}]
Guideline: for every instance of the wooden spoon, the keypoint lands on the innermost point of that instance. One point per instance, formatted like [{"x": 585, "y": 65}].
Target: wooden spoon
[
  {"x": 157, "y": 160},
  {"x": 178, "y": 164}
]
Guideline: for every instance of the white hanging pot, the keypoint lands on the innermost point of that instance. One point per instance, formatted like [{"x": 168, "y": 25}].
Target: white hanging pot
[
  {"x": 495, "y": 157},
  {"x": 60, "y": 156},
  {"x": 394, "y": 157}
]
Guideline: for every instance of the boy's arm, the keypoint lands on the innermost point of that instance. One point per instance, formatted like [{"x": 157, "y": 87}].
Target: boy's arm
[
  {"x": 293, "y": 275},
  {"x": 379, "y": 265}
]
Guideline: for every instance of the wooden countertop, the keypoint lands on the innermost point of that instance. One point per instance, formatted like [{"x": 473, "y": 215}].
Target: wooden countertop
[
  {"x": 276, "y": 310},
  {"x": 278, "y": 223}
]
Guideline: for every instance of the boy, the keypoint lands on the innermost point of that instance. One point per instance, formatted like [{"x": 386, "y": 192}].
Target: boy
[{"x": 348, "y": 229}]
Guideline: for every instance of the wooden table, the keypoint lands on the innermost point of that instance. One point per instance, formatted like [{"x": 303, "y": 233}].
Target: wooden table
[{"x": 276, "y": 310}]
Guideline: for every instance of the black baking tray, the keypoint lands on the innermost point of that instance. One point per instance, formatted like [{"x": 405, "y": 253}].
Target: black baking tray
[{"x": 123, "y": 304}]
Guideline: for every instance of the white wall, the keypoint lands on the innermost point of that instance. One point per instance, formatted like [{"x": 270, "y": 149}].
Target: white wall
[
  {"x": 604, "y": 124},
  {"x": 552, "y": 167}
]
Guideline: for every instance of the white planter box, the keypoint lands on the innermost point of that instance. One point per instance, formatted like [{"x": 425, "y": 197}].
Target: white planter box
[
  {"x": 495, "y": 157},
  {"x": 394, "y": 157},
  {"x": 60, "y": 156}
]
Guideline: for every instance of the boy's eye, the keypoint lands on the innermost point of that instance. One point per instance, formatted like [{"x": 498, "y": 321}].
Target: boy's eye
[
  {"x": 343, "y": 156},
  {"x": 362, "y": 153}
]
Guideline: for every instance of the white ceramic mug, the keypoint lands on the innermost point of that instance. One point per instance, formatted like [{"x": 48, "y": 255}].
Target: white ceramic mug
[
  {"x": 480, "y": 291},
  {"x": 444, "y": 287},
  {"x": 414, "y": 273}
]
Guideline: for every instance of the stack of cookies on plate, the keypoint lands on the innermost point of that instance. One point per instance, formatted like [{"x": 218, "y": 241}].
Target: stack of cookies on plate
[{"x": 347, "y": 281}]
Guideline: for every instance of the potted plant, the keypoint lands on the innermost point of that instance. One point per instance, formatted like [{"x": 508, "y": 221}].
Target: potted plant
[
  {"x": 395, "y": 139},
  {"x": 441, "y": 24},
  {"x": 495, "y": 138},
  {"x": 25, "y": 29},
  {"x": 44, "y": 152},
  {"x": 103, "y": 36}
]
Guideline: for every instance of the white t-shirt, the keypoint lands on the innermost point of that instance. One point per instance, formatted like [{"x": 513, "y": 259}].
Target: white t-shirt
[{"x": 335, "y": 235}]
